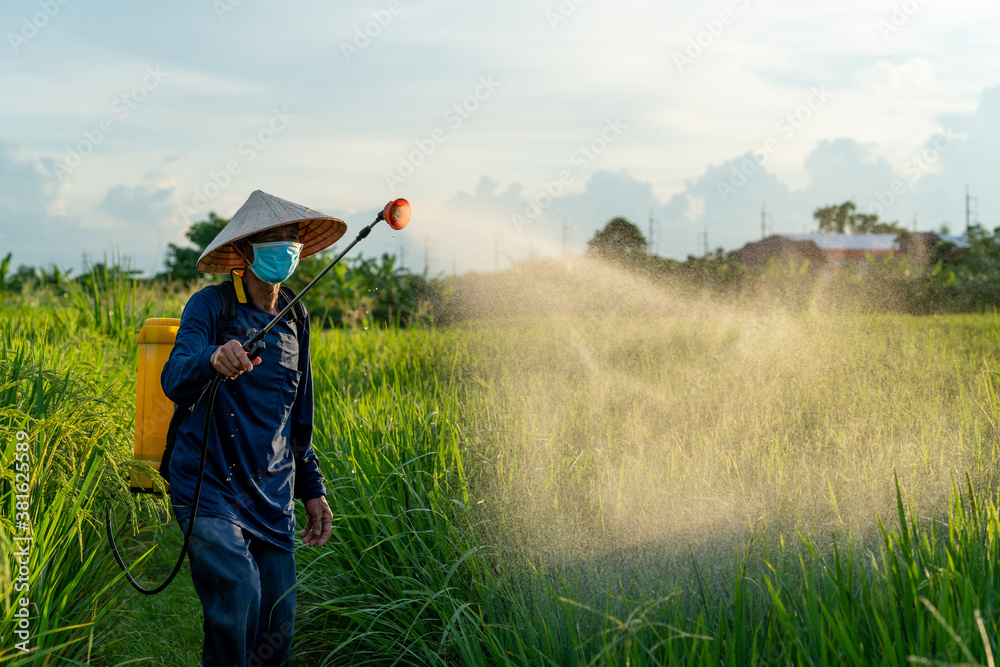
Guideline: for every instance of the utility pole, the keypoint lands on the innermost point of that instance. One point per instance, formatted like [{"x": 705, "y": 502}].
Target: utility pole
[
  {"x": 763, "y": 220},
  {"x": 969, "y": 201},
  {"x": 427, "y": 254},
  {"x": 966, "y": 210}
]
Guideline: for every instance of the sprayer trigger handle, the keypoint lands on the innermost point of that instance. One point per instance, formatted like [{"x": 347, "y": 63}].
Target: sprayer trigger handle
[{"x": 254, "y": 349}]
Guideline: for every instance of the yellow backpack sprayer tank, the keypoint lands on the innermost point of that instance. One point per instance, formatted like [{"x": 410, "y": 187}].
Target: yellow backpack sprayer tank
[{"x": 153, "y": 409}]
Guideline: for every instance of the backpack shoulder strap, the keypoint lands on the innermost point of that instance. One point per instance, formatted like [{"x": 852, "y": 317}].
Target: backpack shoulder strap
[
  {"x": 298, "y": 312},
  {"x": 180, "y": 413},
  {"x": 231, "y": 292},
  {"x": 228, "y": 310}
]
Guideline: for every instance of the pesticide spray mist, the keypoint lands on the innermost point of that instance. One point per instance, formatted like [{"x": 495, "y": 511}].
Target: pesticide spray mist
[{"x": 638, "y": 432}]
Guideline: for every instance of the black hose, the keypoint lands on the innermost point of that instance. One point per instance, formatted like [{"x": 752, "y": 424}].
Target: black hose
[{"x": 209, "y": 408}]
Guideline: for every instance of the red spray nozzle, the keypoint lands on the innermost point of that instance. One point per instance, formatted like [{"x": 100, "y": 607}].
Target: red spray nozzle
[{"x": 397, "y": 213}]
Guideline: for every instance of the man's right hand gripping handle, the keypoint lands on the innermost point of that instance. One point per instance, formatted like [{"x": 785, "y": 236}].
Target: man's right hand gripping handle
[{"x": 231, "y": 360}]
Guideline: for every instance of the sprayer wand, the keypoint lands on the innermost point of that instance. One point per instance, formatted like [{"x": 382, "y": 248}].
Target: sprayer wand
[{"x": 396, "y": 213}]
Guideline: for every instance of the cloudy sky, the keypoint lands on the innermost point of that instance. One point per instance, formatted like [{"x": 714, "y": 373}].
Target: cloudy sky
[{"x": 513, "y": 128}]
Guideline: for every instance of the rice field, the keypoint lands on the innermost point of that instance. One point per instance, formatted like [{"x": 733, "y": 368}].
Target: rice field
[{"x": 591, "y": 479}]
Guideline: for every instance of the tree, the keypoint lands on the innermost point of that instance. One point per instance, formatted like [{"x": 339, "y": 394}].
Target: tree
[
  {"x": 182, "y": 262},
  {"x": 843, "y": 219},
  {"x": 620, "y": 240}
]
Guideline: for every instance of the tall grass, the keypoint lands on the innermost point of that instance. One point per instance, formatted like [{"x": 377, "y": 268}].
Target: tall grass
[
  {"x": 709, "y": 487},
  {"x": 395, "y": 578},
  {"x": 69, "y": 384},
  {"x": 544, "y": 536},
  {"x": 76, "y": 429}
]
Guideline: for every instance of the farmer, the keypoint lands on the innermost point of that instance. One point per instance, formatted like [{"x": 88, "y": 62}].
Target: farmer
[{"x": 260, "y": 454}]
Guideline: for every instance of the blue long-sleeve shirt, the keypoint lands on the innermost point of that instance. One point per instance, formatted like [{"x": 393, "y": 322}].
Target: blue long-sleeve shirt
[{"x": 260, "y": 454}]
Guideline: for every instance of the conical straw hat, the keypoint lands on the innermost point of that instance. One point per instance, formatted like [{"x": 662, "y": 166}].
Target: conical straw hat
[{"x": 263, "y": 211}]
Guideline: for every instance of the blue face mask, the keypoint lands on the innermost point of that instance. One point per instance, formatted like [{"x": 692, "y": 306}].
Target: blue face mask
[{"x": 275, "y": 262}]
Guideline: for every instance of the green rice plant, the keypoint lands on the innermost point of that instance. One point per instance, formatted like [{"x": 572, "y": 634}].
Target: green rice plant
[
  {"x": 711, "y": 487},
  {"x": 395, "y": 578},
  {"x": 575, "y": 465},
  {"x": 108, "y": 296},
  {"x": 77, "y": 426},
  {"x": 477, "y": 522},
  {"x": 922, "y": 598}
]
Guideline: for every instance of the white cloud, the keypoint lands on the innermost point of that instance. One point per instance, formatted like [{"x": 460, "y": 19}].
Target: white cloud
[
  {"x": 36, "y": 233},
  {"x": 138, "y": 204},
  {"x": 912, "y": 76},
  {"x": 607, "y": 59},
  {"x": 695, "y": 209}
]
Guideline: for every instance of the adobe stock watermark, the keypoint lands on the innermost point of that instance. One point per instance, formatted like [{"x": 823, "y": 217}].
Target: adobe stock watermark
[
  {"x": 786, "y": 126},
  {"x": 23, "y": 539},
  {"x": 121, "y": 108},
  {"x": 31, "y": 25},
  {"x": 248, "y": 150},
  {"x": 582, "y": 158},
  {"x": 455, "y": 116},
  {"x": 898, "y": 17},
  {"x": 275, "y": 644},
  {"x": 703, "y": 40},
  {"x": 913, "y": 169},
  {"x": 563, "y": 11},
  {"x": 223, "y": 7},
  {"x": 363, "y": 34}
]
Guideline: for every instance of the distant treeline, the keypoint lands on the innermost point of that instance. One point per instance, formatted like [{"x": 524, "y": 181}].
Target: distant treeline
[
  {"x": 362, "y": 292},
  {"x": 948, "y": 279},
  {"x": 358, "y": 292}
]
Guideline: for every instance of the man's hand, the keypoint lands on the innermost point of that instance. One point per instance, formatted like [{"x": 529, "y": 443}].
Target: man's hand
[
  {"x": 231, "y": 360},
  {"x": 318, "y": 524}
]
